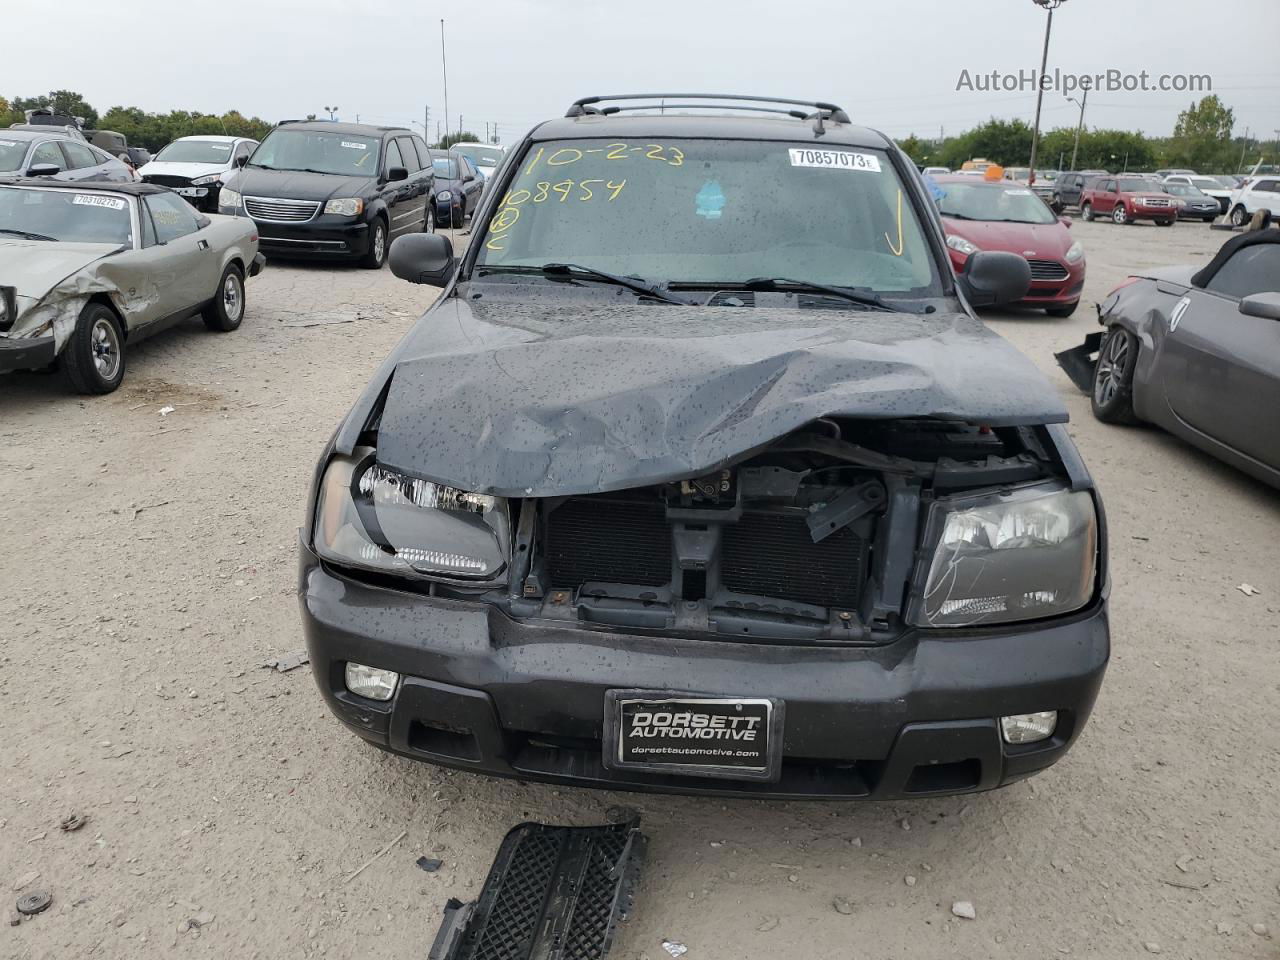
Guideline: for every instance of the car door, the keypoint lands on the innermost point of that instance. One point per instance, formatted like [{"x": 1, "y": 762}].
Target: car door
[
  {"x": 1221, "y": 368},
  {"x": 50, "y": 153},
  {"x": 82, "y": 164},
  {"x": 1104, "y": 196},
  {"x": 1264, "y": 195},
  {"x": 415, "y": 211},
  {"x": 472, "y": 183},
  {"x": 395, "y": 194},
  {"x": 185, "y": 262}
]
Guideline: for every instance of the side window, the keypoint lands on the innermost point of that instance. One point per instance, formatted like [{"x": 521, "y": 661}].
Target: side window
[
  {"x": 424, "y": 155},
  {"x": 173, "y": 216},
  {"x": 48, "y": 152},
  {"x": 393, "y": 156},
  {"x": 409, "y": 154},
  {"x": 1254, "y": 269},
  {"x": 148, "y": 228},
  {"x": 1266, "y": 186},
  {"x": 79, "y": 155}
]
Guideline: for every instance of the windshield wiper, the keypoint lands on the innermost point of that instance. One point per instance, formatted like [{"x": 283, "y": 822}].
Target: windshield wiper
[
  {"x": 576, "y": 271},
  {"x": 261, "y": 166},
  {"x": 28, "y": 235},
  {"x": 787, "y": 285}
]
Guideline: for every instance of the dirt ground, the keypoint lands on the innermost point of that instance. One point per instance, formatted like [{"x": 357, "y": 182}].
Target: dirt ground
[{"x": 149, "y": 571}]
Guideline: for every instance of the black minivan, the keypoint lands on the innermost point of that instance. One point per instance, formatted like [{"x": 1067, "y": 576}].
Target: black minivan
[{"x": 334, "y": 190}]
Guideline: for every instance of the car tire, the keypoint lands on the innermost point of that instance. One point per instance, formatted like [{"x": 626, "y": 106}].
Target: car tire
[
  {"x": 1119, "y": 215},
  {"x": 1239, "y": 215},
  {"x": 377, "y": 253},
  {"x": 93, "y": 359},
  {"x": 1086, "y": 212},
  {"x": 1112, "y": 395},
  {"x": 429, "y": 223},
  {"x": 225, "y": 312},
  {"x": 1062, "y": 310},
  {"x": 1164, "y": 223}
]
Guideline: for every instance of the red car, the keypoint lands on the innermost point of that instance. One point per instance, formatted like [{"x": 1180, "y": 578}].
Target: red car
[
  {"x": 1126, "y": 199},
  {"x": 999, "y": 215}
]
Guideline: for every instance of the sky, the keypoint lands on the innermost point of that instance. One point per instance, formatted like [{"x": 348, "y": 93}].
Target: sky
[{"x": 893, "y": 64}]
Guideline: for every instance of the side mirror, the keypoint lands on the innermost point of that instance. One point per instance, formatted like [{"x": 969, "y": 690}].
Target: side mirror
[
  {"x": 993, "y": 277},
  {"x": 424, "y": 258},
  {"x": 242, "y": 160},
  {"x": 468, "y": 178},
  {"x": 397, "y": 173},
  {"x": 43, "y": 170},
  {"x": 1265, "y": 306},
  {"x": 1065, "y": 221}
]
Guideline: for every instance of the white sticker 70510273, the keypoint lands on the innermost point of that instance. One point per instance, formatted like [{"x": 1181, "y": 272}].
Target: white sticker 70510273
[
  {"x": 834, "y": 159},
  {"x": 86, "y": 200}
]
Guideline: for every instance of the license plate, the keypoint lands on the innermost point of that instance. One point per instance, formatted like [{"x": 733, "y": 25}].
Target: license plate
[
  {"x": 191, "y": 191},
  {"x": 734, "y": 738}
]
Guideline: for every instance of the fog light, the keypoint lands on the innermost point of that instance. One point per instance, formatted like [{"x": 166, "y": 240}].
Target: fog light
[
  {"x": 374, "y": 683},
  {"x": 1022, "y": 728}
]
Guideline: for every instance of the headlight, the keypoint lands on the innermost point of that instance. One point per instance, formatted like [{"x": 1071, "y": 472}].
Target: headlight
[
  {"x": 346, "y": 207},
  {"x": 1014, "y": 555},
  {"x": 445, "y": 195},
  {"x": 206, "y": 180},
  {"x": 376, "y": 519},
  {"x": 8, "y": 307},
  {"x": 1075, "y": 253},
  {"x": 228, "y": 198},
  {"x": 961, "y": 244}
]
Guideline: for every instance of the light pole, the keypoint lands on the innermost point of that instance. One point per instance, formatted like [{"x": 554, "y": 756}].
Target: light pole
[
  {"x": 331, "y": 111},
  {"x": 1079, "y": 126},
  {"x": 444, "y": 72},
  {"x": 1049, "y": 5}
]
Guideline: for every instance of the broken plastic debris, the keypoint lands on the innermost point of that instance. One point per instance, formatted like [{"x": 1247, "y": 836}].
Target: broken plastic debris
[
  {"x": 674, "y": 948},
  {"x": 166, "y": 410},
  {"x": 289, "y": 662},
  {"x": 1248, "y": 589},
  {"x": 429, "y": 865}
]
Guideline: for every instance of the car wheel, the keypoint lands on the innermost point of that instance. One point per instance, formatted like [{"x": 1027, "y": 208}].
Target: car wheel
[
  {"x": 1239, "y": 216},
  {"x": 377, "y": 255},
  {"x": 1112, "y": 395},
  {"x": 1063, "y": 309},
  {"x": 1164, "y": 223},
  {"x": 1119, "y": 214},
  {"x": 93, "y": 359},
  {"x": 429, "y": 224},
  {"x": 226, "y": 310},
  {"x": 1086, "y": 213}
]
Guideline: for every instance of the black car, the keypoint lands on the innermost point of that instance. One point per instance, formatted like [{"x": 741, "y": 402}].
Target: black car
[
  {"x": 1068, "y": 187},
  {"x": 1193, "y": 203},
  {"x": 333, "y": 190},
  {"x": 1196, "y": 352},
  {"x": 686, "y": 486},
  {"x": 47, "y": 152},
  {"x": 458, "y": 187}
]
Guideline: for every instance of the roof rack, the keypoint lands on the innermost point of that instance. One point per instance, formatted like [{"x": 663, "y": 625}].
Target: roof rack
[{"x": 828, "y": 111}]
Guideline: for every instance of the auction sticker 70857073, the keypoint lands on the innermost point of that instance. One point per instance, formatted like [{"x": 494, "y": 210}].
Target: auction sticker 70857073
[{"x": 834, "y": 159}]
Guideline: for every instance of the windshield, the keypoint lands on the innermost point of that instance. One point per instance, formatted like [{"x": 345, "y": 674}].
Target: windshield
[
  {"x": 12, "y": 153},
  {"x": 713, "y": 211},
  {"x": 445, "y": 167},
  {"x": 1206, "y": 183},
  {"x": 1139, "y": 185},
  {"x": 480, "y": 156},
  {"x": 992, "y": 201},
  {"x": 1181, "y": 190},
  {"x": 1228, "y": 181},
  {"x": 346, "y": 154},
  {"x": 196, "y": 151},
  {"x": 64, "y": 215}
]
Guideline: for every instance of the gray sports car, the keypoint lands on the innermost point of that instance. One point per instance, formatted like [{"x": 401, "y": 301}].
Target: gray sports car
[
  {"x": 87, "y": 268},
  {"x": 1195, "y": 352}
]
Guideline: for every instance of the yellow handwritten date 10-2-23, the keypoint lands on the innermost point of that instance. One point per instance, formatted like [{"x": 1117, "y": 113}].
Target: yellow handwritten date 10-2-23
[
  {"x": 543, "y": 192},
  {"x": 564, "y": 156}
]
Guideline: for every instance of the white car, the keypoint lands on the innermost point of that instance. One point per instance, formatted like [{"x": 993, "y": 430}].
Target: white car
[
  {"x": 1209, "y": 185},
  {"x": 1259, "y": 193},
  {"x": 195, "y": 167},
  {"x": 935, "y": 171},
  {"x": 485, "y": 156}
]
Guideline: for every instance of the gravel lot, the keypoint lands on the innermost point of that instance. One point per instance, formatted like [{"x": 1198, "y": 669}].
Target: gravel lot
[{"x": 150, "y": 565}]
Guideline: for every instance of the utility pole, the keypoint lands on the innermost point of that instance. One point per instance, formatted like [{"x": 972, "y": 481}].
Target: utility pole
[
  {"x": 426, "y": 122},
  {"x": 1080, "y": 125},
  {"x": 1049, "y": 5},
  {"x": 444, "y": 70},
  {"x": 459, "y": 125}
]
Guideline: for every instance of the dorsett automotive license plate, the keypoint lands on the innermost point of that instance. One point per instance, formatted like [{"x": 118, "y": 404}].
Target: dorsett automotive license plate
[{"x": 735, "y": 738}]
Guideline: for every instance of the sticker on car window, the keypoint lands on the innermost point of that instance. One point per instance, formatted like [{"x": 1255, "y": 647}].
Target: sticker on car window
[
  {"x": 350, "y": 145},
  {"x": 710, "y": 200},
  {"x": 87, "y": 200},
  {"x": 833, "y": 159},
  {"x": 8, "y": 143}
]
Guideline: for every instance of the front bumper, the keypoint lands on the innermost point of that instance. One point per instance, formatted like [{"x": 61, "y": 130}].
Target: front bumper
[
  {"x": 326, "y": 236},
  {"x": 26, "y": 353},
  {"x": 483, "y": 692},
  {"x": 258, "y": 265}
]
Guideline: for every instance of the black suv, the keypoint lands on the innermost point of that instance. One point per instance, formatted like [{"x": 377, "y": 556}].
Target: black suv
[
  {"x": 1068, "y": 187},
  {"x": 338, "y": 190},
  {"x": 689, "y": 486}
]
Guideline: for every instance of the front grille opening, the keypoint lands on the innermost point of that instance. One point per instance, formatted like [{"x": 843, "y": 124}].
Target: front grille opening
[
  {"x": 773, "y": 555},
  {"x": 458, "y": 744},
  {"x": 608, "y": 540},
  {"x": 694, "y": 585},
  {"x": 934, "y": 777}
]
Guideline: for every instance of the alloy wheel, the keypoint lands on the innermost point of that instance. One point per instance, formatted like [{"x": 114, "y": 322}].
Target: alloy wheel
[
  {"x": 1111, "y": 367},
  {"x": 104, "y": 343}
]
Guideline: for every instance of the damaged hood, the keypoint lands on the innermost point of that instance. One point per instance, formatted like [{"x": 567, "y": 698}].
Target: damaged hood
[
  {"x": 528, "y": 398},
  {"x": 34, "y": 267}
]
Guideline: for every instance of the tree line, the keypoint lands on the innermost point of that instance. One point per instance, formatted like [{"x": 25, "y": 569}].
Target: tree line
[{"x": 1202, "y": 140}]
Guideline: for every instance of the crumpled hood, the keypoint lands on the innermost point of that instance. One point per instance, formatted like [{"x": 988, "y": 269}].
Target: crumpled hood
[
  {"x": 293, "y": 185},
  {"x": 34, "y": 267},
  {"x": 163, "y": 168},
  {"x": 522, "y": 398}
]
